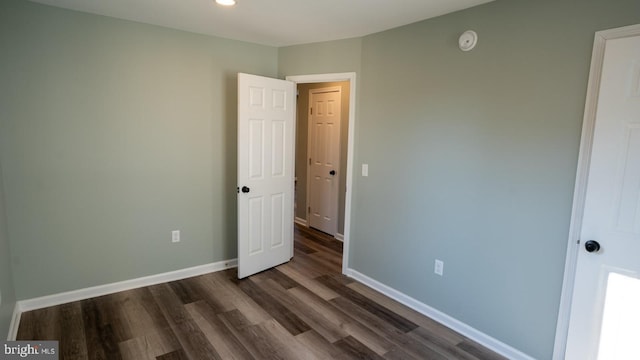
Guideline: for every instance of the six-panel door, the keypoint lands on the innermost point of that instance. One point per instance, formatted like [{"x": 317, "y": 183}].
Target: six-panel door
[{"x": 266, "y": 123}]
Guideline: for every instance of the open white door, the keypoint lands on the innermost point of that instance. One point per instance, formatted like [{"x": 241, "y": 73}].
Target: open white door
[
  {"x": 266, "y": 121},
  {"x": 605, "y": 309}
]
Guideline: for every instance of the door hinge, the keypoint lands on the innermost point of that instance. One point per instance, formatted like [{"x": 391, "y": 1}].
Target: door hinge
[
  {"x": 309, "y": 209},
  {"x": 309, "y": 161},
  {"x": 311, "y": 109}
]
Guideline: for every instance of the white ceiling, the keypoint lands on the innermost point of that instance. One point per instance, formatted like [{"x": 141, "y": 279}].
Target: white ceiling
[{"x": 273, "y": 22}]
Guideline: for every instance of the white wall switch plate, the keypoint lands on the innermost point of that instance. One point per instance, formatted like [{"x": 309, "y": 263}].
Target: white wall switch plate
[
  {"x": 175, "y": 236},
  {"x": 365, "y": 169},
  {"x": 438, "y": 268}
]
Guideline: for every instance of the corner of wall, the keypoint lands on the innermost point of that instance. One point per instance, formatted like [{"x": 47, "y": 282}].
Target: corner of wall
[{"x": 7, "y": 289}]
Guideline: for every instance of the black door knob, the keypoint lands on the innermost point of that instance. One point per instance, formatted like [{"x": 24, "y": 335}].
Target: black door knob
[
  {"x": 245, "y": 189},
  {"x": 332, "y": 172},
  {"x": 592, "y": 246}
]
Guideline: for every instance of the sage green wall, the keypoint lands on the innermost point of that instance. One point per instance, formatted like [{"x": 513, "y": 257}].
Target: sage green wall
[
  {"x": 472, "y": 157},
  {"x": 476, "y": 154},
  {"x": 319, "y": 58},
  {"x": 302, "y": 132},
  {"x": 112, "y": 134},
  {"x": 7, "y": 293}
]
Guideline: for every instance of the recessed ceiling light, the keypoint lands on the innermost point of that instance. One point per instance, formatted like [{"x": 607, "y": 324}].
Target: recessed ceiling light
[{"x": 226, "y": 2}]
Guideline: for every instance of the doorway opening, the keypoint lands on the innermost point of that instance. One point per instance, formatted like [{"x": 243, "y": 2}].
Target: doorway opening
[
  {"x": 343, "y": 174},
  {"x": 321, "y": 152}
]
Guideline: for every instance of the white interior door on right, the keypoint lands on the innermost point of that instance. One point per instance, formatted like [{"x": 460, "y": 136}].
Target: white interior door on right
[
  {"x": 324, "y": 158},
  {"x": 605, "y": 308}
]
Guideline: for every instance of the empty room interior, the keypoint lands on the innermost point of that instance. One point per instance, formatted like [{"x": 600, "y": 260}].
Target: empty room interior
[{"x": 118, "y": 130}]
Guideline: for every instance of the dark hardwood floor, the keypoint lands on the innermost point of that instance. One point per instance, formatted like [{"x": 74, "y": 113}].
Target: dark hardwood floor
[{"x": 300, "y": 310}]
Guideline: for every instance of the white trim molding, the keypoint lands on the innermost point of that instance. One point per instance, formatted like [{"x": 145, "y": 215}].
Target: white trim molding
[
  {"x": 351, "y": 77},
  {"x": 94, "y": 291},
  {"x": 303, "y": 222},
  {"x": 300, "y": 221},
  {"x": 444, "y": 319},
  {"x": 584, "y": 159},
  {"x": 15, "y": 321}
]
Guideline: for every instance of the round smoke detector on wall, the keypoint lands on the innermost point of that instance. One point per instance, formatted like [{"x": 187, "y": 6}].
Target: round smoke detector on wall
[{"x": 468, "y": 40}]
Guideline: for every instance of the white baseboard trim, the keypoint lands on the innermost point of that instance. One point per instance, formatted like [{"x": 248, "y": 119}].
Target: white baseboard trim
[
  {"x": 82, "y": 294},
  {"x": 303, "y": 222},
  {"x": 446, "y": 320},
  {"x": 15, "y": 321}
]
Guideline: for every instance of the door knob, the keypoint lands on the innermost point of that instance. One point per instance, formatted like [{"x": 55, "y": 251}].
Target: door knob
[
  {"x": 245, "y": 189},
  {"x": 332, "y": 172},
  {"x": 592, "y": 246}
]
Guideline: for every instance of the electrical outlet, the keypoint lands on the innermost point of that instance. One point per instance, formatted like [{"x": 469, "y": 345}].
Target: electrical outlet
[
  {"x": 438, "y": 268},
  {"x": 175, "y": 236}
]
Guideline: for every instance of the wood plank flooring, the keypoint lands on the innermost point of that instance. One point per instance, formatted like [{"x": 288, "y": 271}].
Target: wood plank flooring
[{"x": 304, "y": 309}]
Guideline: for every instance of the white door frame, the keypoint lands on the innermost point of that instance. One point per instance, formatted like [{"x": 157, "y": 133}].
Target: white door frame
[
  {"x": 351, "y": 77},
  {"x": 584, "y": 159}
]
